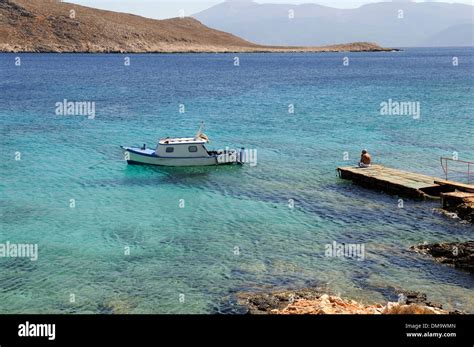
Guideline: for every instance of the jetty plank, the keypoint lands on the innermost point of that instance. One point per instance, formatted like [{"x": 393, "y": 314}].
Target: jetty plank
[{"x": 469, "y": 188}]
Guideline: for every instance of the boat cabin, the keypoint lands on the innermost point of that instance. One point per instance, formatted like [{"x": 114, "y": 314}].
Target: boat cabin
[{"x": 187, "y": 147}]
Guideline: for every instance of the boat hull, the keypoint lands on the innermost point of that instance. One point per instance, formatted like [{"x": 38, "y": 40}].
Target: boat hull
[{"x": 134, "y": 157}]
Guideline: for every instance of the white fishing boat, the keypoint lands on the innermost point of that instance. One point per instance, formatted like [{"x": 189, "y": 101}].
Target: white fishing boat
[{"x": 182, "y": 151}]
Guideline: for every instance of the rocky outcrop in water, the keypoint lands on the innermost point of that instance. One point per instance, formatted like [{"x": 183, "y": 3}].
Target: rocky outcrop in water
[{"x": 457, "y": 254}]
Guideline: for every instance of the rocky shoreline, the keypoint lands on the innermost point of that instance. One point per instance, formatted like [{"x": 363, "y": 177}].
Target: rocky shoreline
[
  {"x": 203, "y": 50},
  {"x": 319, "y": 301}
]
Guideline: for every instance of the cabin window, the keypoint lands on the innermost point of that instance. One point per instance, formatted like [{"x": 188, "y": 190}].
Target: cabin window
[
  {"x": 169, "y": 149},
  {"x": 193, "y": 149}
]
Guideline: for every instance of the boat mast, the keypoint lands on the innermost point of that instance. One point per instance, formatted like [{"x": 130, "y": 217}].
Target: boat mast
[{"x": 199, "y": 133}]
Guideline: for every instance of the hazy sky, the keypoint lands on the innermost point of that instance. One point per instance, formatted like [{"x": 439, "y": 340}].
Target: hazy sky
[{"x": 166, "y": 9}]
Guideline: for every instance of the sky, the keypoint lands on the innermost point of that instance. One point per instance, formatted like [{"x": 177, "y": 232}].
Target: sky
[{"x": 160, "y": 9}]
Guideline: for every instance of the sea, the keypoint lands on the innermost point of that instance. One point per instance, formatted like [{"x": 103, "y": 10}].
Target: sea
[{"x": 118, "y": 238}]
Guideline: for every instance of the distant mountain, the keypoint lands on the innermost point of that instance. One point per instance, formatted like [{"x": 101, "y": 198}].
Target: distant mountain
[
  {"x": 457, "y": 35},
  {"x": 395, "y": 24},
  {"x": 54, "y": 26}
]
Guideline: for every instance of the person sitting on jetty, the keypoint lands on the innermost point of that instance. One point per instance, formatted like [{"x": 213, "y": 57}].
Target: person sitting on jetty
[{"x": 365, "y": 159}]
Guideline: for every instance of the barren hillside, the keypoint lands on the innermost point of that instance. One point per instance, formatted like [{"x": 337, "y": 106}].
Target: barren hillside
[{"x": 53, "y": 26}]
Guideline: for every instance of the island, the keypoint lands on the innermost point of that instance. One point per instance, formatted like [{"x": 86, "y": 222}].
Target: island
[{"x": 52, "y": 26}]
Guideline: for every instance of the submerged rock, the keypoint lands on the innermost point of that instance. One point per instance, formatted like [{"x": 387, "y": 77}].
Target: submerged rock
[
  {"x": 115, "y": 306},
  {"x": 457, "y": 254},
  {"x": 412, "y": 297}
]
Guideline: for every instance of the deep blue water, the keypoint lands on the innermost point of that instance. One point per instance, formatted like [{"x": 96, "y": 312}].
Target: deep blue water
[{"x": 192, "y": 250}]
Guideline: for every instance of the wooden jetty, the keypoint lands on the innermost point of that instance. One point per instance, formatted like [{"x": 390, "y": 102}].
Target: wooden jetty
[{"x": 402, "y": 183}]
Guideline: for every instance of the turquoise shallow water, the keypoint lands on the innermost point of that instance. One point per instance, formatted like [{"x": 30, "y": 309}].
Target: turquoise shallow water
[{"x": 191, "y": 250}]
